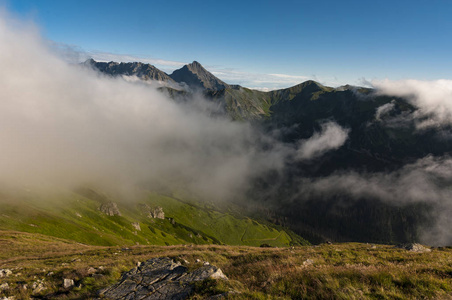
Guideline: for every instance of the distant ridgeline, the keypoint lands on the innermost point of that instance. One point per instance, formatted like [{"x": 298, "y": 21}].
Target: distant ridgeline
[{"x": 382, "y": 139}]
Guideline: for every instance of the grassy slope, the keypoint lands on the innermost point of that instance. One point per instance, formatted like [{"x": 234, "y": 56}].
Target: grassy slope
[
  {"x": 71, "y": 216},
  {"x": 337, "y": 271}
]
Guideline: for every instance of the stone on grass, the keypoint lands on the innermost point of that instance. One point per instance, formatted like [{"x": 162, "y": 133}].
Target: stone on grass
[
  {"x": 159, "y": 278},
  {"x": 308, "y": 262},
  {"x": 5, "y": 272},
  {"x": 414, "y": 247},
  {"x": 68, "y": 283}
]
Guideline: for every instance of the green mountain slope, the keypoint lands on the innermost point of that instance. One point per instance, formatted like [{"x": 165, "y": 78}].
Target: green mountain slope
[{"x": 77, "y": 217}]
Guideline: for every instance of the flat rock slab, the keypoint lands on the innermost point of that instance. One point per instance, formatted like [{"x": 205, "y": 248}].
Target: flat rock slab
[{"x": 159, "y": 278}]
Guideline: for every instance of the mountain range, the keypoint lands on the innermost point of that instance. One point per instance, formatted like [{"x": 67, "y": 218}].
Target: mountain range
[
  {"x": 383, "y": 140},
  {"x": 377, "y": 142}
]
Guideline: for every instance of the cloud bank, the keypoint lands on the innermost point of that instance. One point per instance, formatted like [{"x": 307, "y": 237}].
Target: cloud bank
[
  {"x": 66, "y": 124},
  {"x": 433, "y": 98},
  {"x": 428, "y": 180}
]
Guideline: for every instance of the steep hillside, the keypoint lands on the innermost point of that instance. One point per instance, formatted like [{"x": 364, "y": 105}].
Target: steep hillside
[
  {"x": 242, "y": 103},
  {"x": 93, "y": 218}
]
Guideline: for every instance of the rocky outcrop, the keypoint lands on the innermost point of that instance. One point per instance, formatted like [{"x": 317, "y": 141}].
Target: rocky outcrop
[
  {"x": 159, "y": 278},
  {"x": 137, "y": 226},
  {"x": 156, "y": 213},
  {"x": 414, "y": 247},
  {"x": 152, "y": 212},
  {"x": 110, "y": 209}
]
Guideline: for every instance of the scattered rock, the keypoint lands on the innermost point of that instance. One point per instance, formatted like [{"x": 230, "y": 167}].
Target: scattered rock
[
  {"x": 136, "y": 226},
  {"x": 91, "y": 271},
  {"x": 4, "y": 286},
  {"x": 39, "y": 288},
  {"x": 414, "y": 247},
  {"x": 159, "y": 278},
  {"x": 110, "y": 209},
  {"x": 5, "y": 272},
  {"x": 50, "y": 274},
  {"x": 308, "y": 262},
  {"x": 218, "y": 274},
  {"x": 8, "y": 298},
  {"x": 33, "y": 225},
  {"x": 156, "y": 213},
  {"x": 152, "y": 212},
  {"x": 68, "y": 283},
  {"x": 78, "y": 215}
]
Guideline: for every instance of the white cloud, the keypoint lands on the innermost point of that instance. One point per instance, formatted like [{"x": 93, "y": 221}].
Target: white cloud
[
  {"x": 383, "y": 110},
  {"x": 67, "y": 125},
  {"x": 331, "y": 137},
  {"x": 433, "y": 98}
]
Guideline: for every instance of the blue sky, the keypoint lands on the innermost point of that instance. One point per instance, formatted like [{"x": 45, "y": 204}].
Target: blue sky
[{"x": 262, "y": 44}]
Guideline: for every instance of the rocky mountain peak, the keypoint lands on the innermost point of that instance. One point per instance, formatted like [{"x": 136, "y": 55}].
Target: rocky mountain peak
[
  {"x": 195, "y": 75},
  {"x": 196, "y": 67},
  {"x": 195, "y": 64}
]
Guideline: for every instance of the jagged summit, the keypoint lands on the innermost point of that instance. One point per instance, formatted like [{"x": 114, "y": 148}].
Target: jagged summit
[
  {"x": 195, "y": 64},
  {"x": 195, "y": 75},
  {"x": 141, "y": 70}
]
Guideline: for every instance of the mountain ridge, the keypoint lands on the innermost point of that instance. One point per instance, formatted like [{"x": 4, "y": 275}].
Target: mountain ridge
[{"x": 141, "y": 70}]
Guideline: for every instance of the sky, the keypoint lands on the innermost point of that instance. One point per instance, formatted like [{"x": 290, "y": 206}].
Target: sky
[{"x": 258, "y": 44}]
